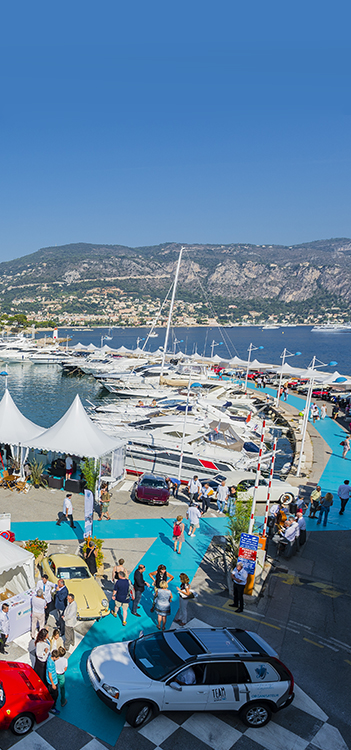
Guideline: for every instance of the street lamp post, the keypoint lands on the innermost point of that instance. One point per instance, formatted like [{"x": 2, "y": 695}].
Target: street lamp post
[
  {"x": 283, "y": 357},
  {"x": 213, "y": 346},
  {"x": 313, "y": 367},
  {"x": 251, "y": 349}
]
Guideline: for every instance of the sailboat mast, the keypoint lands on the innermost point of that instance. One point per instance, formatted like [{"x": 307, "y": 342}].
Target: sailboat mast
[{"x": 170, "y": 312}]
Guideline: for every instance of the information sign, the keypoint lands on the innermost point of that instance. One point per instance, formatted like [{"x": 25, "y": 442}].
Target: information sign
[{"x": 248, "y": 552}]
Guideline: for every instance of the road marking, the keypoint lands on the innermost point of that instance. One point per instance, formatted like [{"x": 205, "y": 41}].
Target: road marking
[
  {"x": 239, "y": 614},
  {"x": 292, "y": 629},
  {"x": 340, "y": 643},
  {"x": 347, "y": 661},
  {"x": 257, "y": 614},
  {"x": 328, "y": 646},
  {"x": 314, "y": 643},
  {"x": 300, "y": 624}
]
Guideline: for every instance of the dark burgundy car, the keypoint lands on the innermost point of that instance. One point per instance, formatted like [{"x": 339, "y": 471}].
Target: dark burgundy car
[{"x": 151, "y": 489}]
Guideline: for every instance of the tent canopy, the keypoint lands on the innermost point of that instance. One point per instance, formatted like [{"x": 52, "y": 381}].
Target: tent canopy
[
  {"x": 12, "y": 556},
  {"x": 14, "y": 426},
  {"x": 75, "y": 434}
]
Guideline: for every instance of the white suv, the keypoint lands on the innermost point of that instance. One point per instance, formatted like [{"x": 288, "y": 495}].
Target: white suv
[{"x": 200, "y": 669}]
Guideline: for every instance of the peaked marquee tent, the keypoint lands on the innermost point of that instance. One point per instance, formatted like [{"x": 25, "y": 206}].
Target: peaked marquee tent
[
  {"x": 15, "y": 428},
  {"x": 75, "y": 434}
]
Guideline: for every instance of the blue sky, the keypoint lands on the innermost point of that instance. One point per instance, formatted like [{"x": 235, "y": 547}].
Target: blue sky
[{"x": 141, "y": 123}]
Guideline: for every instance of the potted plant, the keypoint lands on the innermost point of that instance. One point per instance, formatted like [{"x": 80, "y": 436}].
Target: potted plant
[
  {"x": 36, "y": 470},
  {"x": 90, "y": 473},
  {"x": 38, "y": 548}
]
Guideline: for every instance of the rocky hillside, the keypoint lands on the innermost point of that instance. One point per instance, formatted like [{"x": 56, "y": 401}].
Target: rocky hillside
[{"x": 237, "y": 271}]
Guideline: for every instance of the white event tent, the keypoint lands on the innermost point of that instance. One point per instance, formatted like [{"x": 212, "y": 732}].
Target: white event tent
[
  {"x": 75, "y": 434},
  {"x": 15, "y": 428}
]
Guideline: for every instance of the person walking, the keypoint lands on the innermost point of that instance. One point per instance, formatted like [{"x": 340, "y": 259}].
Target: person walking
[
  {"x": 121, "y": 596},
  {"x": 286, "y": 393},
  {"x": 61, "y": 669},
  {"x": 193, "y": 514},
  {"x": 67, "y": 512},
  {"x": 4, "y": 627},
  {"x": 38, "y": 612},
  {"x": 61, "y": 593},
  {"x": 324, "y": 411},
  {"x": 163, "y": 604},
  {"x": 139, "y": 588},
  {"x": 185, "y": 593},
  {"x": 105, "y": 500},
  {"x": 90, "y": 557},
  {"x": 206, "y": 494},
  {"x": 194, "y": 487},
  {"x": 315, "y": 497},
  {"x": 178, "y": 534},
  {"x": 343, "y": 495},
  {"x": 324, "y": 508},
  {"x": 239, "y": 578},
  {"x": 222, "y": 494},
  {"x": 52, "y": 680},
  {"x": 346, "y": 448},
  {"x": 70, "y": 619},
  {"x": 47, "y": 588},
  {"x": 42, "y": 651}
]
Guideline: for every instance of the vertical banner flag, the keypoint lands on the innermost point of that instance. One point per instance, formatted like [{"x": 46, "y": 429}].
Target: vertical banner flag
[{"x": 88, "y": 513}]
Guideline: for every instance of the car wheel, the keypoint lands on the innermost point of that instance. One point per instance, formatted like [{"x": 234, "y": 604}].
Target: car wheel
[
  {"x": 256, "y": 715},
  {"x": 139, "y": 713},
  {"x": 132, "y": 494},
  {"x": 167, "y": 503},
  {"x": 22, "y": 724}
]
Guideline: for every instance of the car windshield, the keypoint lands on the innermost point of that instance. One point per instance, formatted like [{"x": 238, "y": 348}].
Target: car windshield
[
  {"x": 152, "y": 482},
  {"x": 75, "y": 572},
  {"x": 154, "y": 657}
]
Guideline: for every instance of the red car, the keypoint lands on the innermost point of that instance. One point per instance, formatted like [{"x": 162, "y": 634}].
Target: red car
[
  {"x": 151, "y": 489},
  {"x": 24, "y": 699}
]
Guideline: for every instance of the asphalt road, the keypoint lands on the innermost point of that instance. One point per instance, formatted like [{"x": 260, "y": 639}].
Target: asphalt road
[{"x": 305, "y": 614}]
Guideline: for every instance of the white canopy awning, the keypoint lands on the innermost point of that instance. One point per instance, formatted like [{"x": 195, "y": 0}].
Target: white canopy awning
[
  {"x": 237, "y": 361},
  {"x": 75, "y": 434},
  {"x": 15, "y": 428},
  {"x": 79, "y": 347},
  {"x": 12, "y": 556},
  {"x": 91, "y": 347}
]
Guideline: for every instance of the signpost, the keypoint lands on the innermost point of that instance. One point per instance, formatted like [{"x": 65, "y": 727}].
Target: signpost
[{"x": 248, "y": 552}]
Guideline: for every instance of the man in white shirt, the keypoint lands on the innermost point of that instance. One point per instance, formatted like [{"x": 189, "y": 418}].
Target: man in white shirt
[
  {"x": 193, "y": 514},
  {"x": 206, "y": 493},
  {"x": 222, "y": 494},
  {"x": 302, "y": 527},
  {"x": 70, "y": 620},
  {"x": 344, "y": 495},
  {"x": 194, "y": 487},
  {"x": 38, "y": 612},
  {"x": 67, "y": 512},
  {"x": 46, "y": 587},
  {"x": 239, "y": 578},
  {"x": 4, "y": 627}
]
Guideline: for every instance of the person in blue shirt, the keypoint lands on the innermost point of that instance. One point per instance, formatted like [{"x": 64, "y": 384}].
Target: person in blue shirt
[
  {"x": 52, "y": 679},
  {"x": 121, "y": 595}
]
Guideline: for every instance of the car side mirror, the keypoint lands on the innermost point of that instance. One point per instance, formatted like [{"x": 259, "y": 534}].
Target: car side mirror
[{"x": 175, "y": 686}]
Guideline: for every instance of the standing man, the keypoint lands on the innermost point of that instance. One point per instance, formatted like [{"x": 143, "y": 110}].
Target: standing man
[
  {"x": 302, "y": 527},
  {"x": 61, "y": 594},
  {"x": 315, "y": 497},
  {"x": 239, "y": 578},
  {"x": 4, "y": 627},
  {"x": 46, "y": 587},
  {"x": 70, "y": 618},
  {"x": 222, "y": 494},
  {"x": 67, "y": 511},
  {"x": 344, "y": 494},
  {"x": 206, "y": 493},
  {"x": 194, "y": 487},
  {"x": 139, "y": 587},
  {"x": 69, "y": 466},
  {"x": 121, "y": 595}
]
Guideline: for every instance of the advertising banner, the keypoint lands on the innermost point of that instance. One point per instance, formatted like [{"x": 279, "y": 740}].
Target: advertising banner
[
  {"x": 88, "y": 513},
  {"x": 248, "y": 552}
]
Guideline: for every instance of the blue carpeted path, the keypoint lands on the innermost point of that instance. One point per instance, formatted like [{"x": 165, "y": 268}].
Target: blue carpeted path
[{"x": 84, "y": 709}]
